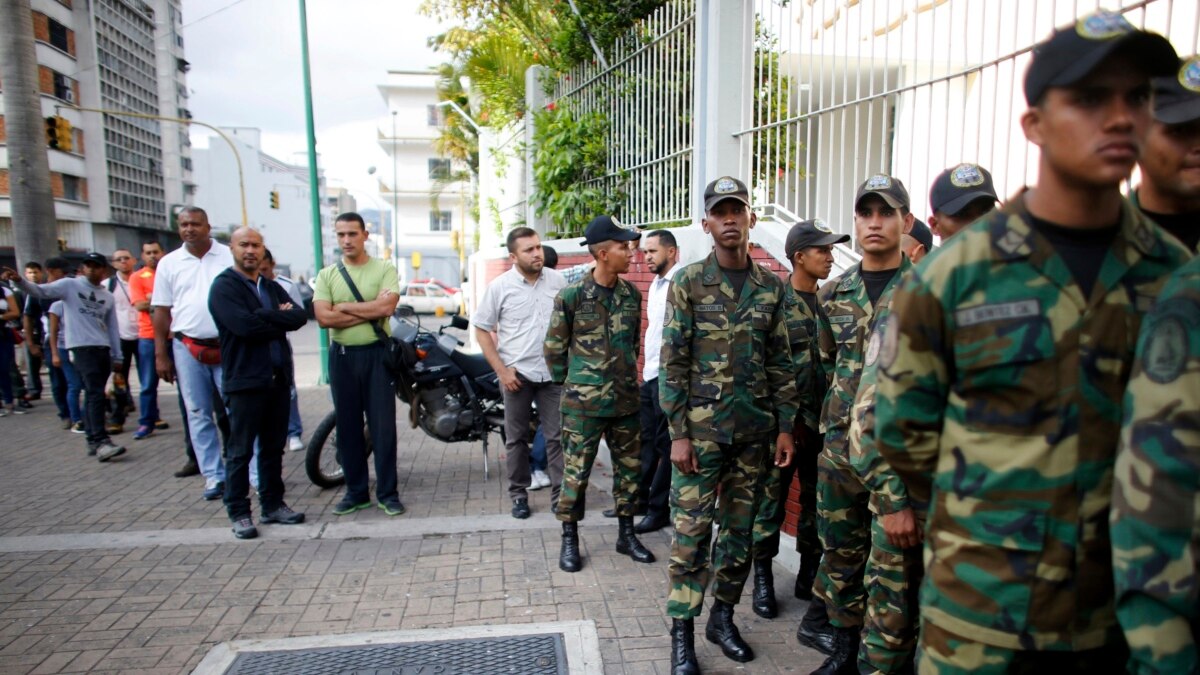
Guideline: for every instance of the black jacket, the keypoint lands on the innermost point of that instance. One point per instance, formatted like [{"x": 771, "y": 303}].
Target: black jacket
[{"x": 246, "y": 330}]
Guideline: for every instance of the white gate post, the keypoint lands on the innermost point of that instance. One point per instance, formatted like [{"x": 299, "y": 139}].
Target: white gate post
[{"x": 535, "y": 101}]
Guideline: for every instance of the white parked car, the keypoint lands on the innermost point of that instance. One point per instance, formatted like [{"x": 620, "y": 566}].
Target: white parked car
[{"x": 425, "y": 298}]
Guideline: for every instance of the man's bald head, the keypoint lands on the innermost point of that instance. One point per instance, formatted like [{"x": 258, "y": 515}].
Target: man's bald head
[{"x": 247, "y": 246}]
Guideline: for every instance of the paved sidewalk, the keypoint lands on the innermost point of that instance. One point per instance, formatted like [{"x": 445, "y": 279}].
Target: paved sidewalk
[{"x": 115, "y": 567}]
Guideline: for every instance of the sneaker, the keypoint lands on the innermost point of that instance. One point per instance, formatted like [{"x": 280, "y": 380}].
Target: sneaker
[
  {"x": 213, "y": 489},
  {"x": 284, "y": 515},
  {"x": 295, "y": 444},
  {"x": 520, "y": 509},
  {"x": 77, "y": 428},
  {"x": 189, "y": 469},
  {"x": 243, "y": 528},
  {"x": 4, "y": 412},
  {"x": 348, "y": 506},
  {"x": 114, "y": 428},
  {"x": 66, "y": 423},
  {"x": 534, "y": 483},
  {"x": 17, "y": 411},
  {"x": 24, "y": 404},
  {"x": 160, "y": 425},
  {"x": 107, "y": 450},
  {"x": 542, "y": 480},
  {"x": 392, "y": 507},
  {"x": 142, "y": 432},
  {"x": 92, "y": 450}
]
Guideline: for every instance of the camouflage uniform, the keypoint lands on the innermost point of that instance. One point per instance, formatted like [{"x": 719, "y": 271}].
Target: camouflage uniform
[
  {"x": 592, "y": 344},
  {"x": 811, "y": 385},
  {"x": 843, "y": 519},
  {"x": 998, "y": 404},
  {"x": 1156, "y": 497},
  {"x": 728, "y": 386}
]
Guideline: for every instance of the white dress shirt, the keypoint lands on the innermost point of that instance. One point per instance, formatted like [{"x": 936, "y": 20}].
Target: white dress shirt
[
  {"x": 182, "y": 282},
  {"x": 656, "y": 308},
  {"x": 519, "y": 313}
]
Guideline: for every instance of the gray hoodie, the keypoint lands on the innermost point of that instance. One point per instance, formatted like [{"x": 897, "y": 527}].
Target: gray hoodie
[{"x": 92, "y": 311}]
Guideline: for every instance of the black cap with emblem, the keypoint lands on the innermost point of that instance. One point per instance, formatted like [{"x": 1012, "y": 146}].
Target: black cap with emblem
[
  {"x": 958, "y": 186},
  {"x": 1073, "y": 52},
  {"x": 808, "y": 233},
  {"x": 1177, "y": 97},
  {"x": 725, "y": 187},
  {"x": 891, "y": 190},
  {"x": 607, "y": 228},
  {"x": 94, "y": 258}
]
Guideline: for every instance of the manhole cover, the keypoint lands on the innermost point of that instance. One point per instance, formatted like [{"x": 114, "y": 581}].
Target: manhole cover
[{"x": 526, "y": 655}]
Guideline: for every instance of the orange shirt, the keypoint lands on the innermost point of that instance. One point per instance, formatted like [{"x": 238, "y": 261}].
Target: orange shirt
[{"x": 141, "y": 285}]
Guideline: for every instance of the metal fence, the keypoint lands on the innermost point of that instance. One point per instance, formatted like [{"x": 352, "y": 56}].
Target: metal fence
[
  {"x": 905, "y": 87},
  {"x": 645, "y": 91}
]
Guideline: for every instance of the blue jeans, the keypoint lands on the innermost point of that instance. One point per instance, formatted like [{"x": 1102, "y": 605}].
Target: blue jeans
[
  {"x": 148, "y": 378},
  {"x": 196, "y": 382},
  {"x": 74, "y": 387},
  {"x": 537, "y": 452},
  {"x": 295, "y": 428}
]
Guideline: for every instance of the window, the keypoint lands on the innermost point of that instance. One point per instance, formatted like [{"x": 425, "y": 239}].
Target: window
[
  {"x": 433, "y": 115},
  {"x": 58, "y": 36},
  {"x": 186, "y": 163},
  {"x": 439, "y": 221},
  {"x": 63, "y": 88},
  {"x": 439, "y": 169},
  {"x": 416, "y": 291},
  {"x": 72, "y": 188}
]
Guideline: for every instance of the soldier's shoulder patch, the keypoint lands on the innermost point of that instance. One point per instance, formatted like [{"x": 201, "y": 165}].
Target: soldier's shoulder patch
[
  {"x": 1018, "y": 309},
  {"x": 889, "y": 345},
  {"x": 1166, "y": 351},
  {"x": 873, "y": 346}
]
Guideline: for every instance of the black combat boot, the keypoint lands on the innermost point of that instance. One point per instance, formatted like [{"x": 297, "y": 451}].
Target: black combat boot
[
  {"x": 844, "y": 659},
  {"x": 628, "y": 544},
  {"x": 815, "y": 630},
  {"x": 683, "y": 648},
  {"x": 807, "y": 576},
  {"x": 763, "y": 598},
  {"x": 568, "y": 556},
  {"x": 721, "y": 632}
]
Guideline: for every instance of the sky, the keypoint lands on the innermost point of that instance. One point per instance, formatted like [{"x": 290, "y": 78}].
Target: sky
[{"x": 246, "y": 72}]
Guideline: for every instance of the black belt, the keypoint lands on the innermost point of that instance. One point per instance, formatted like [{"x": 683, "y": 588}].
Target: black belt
[{"x": 357, "y": 348}]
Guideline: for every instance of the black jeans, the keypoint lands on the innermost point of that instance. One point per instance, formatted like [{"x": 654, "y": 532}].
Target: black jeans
[
  {"x": 121, "y": 396},
  {"x": 260, "y": 413},
  {"x": 33, "y": 372},
  {"x": 362, "y": 387},
  {"x": 655, "y": 484},
  {"x": 94, "y": 365}
]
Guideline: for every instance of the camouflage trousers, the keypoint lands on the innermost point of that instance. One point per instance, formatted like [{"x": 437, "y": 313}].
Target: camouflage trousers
[
  {"x": 945, "y": 653},
  {"x": 893, "y": 577},
  {"x": 580, "y": 440},
  {"x": 844, "y": 524},
  {"x": 736, "y": 469}
]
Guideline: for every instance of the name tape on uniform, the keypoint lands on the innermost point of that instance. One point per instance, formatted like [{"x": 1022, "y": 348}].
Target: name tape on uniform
[{"x": 998, "y": 312}]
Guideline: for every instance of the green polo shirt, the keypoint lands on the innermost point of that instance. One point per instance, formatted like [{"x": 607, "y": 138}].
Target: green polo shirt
[{"x": 370, "y": 278}]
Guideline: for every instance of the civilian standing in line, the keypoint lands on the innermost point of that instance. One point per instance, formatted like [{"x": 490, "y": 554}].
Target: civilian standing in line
[
  {"x": 253, "y": 316},
  {"x": 295, "y": 426},
  {"x": 55, "y": 269},
  {"x": 56, "y": 331},
  {"x": 10, "y": 310},
  {"x": 662, "y": 254},
  {"x": 180, "y": 300},
  {"x": 361, "y": 385},
  {"x": 127, "y": 325},
  {"x": 34, "y": 333},
  {"x": 517, "y": 307},
  {"x": 141, "y": 289},
  {"x": 92, "y": 340}
]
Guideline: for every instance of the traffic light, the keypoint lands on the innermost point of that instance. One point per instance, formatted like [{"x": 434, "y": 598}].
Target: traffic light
[
  {"x": 58, "y": 133},
  {"x": 274, "y": 199}
]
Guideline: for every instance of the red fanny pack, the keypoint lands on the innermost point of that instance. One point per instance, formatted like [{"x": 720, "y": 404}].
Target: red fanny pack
[{"x": 207, "y": 352}]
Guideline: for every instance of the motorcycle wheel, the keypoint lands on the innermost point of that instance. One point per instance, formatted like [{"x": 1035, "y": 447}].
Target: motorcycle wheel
[{"x": 323, "y": 458}]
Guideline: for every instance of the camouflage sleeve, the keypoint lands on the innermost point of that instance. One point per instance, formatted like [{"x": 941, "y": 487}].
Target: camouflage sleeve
[
  {"x": 675, "y": 364},
  {"x": 780, "y": 373},
  {"x": 558, "y": 337},
  {"x": 912, "y": 386},
  {"x": 888, "y": 491},
  {"x": 827, "y": 346},
  {"x": 1156, "y": 497},
  {"x": 637, "y": 342}
]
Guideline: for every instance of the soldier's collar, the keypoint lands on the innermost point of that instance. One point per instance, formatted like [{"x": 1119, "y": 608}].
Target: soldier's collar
[
  {"x": 1011, "y": 236},
  {"x": 712, "y": 272}
]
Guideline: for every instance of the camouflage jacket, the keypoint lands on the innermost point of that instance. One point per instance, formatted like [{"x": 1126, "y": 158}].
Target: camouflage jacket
[
  {"x": 1156, "y": 496},
  {"x": 592, "y": 345},
  {"x": 726, "y": 368},
  {"x": 999, "y": 404},
  {"x": 812, "y": 381},
  {"x": 888, "y": 494},
  {"x": 844, "y": 329}
]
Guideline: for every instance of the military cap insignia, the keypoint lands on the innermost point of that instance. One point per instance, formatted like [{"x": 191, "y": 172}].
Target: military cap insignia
[
  {"x": 966, "y": 175},
  {"x": 820, "y": 226},
  {"x": 1189, "y": 74},
  {"x": 1166, "y": 351},
  {"x": 725, "y": 186},
  {"x": 879, "y": 182},
  {"x": 1103, "y": 26}
]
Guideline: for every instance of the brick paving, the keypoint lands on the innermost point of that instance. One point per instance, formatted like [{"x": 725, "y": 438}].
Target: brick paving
[{"x": 161, "y": 608}]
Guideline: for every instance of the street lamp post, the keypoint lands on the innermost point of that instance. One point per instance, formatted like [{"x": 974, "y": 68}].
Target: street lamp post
[{"x": 314, "y": 185}]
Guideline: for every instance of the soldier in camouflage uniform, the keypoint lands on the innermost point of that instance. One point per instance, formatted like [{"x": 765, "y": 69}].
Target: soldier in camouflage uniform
[
  {"x": 1003, "y": 364},
  {"x": 850, "y": 303},
  {"x": 809, "y": 248},
  {"x": 728, "y": 391},
  {"x": 1156, "y": 497},
  {"x": 959, "y": 196},
  {"x": 592, "y": 346}
]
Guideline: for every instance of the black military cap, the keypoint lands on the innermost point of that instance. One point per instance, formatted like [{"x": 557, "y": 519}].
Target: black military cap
[
  {"x": 808, "y": 233},
  {"x": 958, "y": 186},
  {"x": 607, "y": 228},
  {"x": 725, "y": 187},
  {"x": 890, "y": 189},
  {"x": 1177, "y": 97},
  {"x": 1071, "y": 53},
  {"x": 920, "y": 232},
  {"x": 94, "y": 258}
]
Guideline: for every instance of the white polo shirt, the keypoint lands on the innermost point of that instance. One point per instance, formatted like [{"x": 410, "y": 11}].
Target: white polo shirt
[
  {"x": 127, "y": 316},
  {"x": 519, "y": 313},
  {"x": 656, "y": 308},
  {"x": 182, "y": 282}
]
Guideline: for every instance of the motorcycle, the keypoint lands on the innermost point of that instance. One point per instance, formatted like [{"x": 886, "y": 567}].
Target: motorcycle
[{"x": 451, "y": 395}]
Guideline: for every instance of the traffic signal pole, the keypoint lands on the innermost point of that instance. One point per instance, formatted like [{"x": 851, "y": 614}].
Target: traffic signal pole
[{"x": 313, "y": 184}]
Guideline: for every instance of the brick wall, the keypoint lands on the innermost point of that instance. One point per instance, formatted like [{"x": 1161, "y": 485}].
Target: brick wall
[
  {"x": 41, "y": 27},
  {"x": 641, "y": 277},
  {"x": 3, "y": 181},
  {"x": 56, "y": 184},
  {"x": 3, "y": 133},
  {"x": 45, "y": 80}
]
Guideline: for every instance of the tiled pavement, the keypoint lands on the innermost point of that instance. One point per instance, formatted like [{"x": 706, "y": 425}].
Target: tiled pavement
[{"x": 160, "y": 607}]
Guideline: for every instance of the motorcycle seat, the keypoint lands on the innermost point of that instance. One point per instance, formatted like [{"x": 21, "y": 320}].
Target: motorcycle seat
[{"x": 473, "y": 365}]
